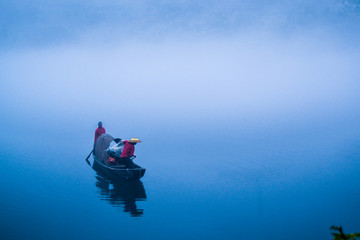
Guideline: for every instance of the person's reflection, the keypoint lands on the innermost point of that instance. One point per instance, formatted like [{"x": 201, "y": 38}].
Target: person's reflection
[{"x": 123, "y": 193}]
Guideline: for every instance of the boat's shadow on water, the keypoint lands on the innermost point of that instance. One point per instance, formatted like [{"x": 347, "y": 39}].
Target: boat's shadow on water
[{"x": 122, "y": 193}]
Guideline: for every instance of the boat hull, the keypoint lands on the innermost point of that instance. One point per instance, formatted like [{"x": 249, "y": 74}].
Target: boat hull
[{"x": 112, "y": 172}]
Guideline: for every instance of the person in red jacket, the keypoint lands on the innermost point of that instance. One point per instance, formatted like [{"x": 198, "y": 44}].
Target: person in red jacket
[
  {"x": 128, "y": 152},
  {"x": 98, "y": 132}
]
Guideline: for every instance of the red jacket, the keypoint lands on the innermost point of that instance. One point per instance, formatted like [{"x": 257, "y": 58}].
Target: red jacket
[
  {"x": 98, "y": 132},
  {"x": 128, "y": 150}
]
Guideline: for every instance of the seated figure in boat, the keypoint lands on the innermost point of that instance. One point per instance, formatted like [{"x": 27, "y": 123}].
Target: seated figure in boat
[{"x": 128, "y": 153}]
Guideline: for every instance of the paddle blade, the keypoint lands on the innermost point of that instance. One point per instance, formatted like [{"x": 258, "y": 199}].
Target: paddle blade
[{"x": 87, "y": 159}]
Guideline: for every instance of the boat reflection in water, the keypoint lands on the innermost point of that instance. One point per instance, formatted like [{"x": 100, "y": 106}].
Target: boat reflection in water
[{"x": 122, "y": 193}]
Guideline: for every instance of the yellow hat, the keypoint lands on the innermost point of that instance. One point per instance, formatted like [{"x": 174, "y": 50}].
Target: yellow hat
[{"x": 134, "y": 140}]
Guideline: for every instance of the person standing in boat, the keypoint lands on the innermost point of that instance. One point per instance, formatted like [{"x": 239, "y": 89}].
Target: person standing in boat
[
  {"x": 98, "y": 132},
  {"x": 128, "y": 153}
]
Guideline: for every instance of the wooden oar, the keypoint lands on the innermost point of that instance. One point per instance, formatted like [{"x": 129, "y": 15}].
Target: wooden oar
[{"x": 87, "y": 159}]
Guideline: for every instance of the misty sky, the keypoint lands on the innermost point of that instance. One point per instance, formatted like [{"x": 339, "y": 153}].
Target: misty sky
[
  {"x": 160, "y": 61},
  {"x": 42, "y": 22}
]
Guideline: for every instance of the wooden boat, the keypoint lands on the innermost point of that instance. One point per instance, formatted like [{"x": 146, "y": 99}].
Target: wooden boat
[{"x": 112, "y": 171}]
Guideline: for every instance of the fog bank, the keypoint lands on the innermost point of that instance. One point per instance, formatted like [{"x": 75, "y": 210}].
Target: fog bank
[{"x": 187, "y": 64}]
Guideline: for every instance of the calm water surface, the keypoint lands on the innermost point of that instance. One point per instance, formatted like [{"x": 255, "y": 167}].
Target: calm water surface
[{"x": 263, "y": 183}]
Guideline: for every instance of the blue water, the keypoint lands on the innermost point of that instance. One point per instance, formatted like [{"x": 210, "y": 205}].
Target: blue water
[{"x": 264, "y": 181}]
